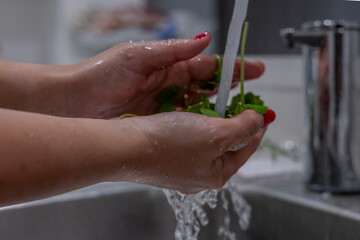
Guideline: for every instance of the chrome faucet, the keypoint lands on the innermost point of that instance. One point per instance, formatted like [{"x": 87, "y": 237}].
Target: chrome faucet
[{"x": 331, "y": 58}]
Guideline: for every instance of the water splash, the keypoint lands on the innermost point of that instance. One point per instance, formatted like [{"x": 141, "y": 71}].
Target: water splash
[
  {"x": 191, "y": 215},
  {"x": 240, "y": 205},
  {"x": 189, "y": 212},
  {"x": 225, "y": 229},
  {"x": 239, "y": 146}
]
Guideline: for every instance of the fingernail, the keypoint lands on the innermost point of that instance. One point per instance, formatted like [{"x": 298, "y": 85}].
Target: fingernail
[
  {"x": 269, "y": 117},
  {"x": 262, "y": 65},
  {"x": 201, "y": 35}
]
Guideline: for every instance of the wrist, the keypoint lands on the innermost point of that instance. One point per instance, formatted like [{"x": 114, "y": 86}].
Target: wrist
[
  {"x": 123, "y": 146},
  {"x": 34, "y": 87},
  {"x": 53, "y": 90}
]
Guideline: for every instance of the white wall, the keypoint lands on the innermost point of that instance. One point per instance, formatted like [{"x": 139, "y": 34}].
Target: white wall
[
  {"x": 282, "y": 89},
  {"x": 26, "y": 29}
]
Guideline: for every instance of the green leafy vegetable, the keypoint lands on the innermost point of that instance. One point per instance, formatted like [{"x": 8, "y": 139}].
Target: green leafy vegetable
[
  {"x": 167, "y": 107},
  {"x": 167, "y": 98},
  {"x": 212, "y": 84},
  {"x": 209, "y": 112},
  {"x": 203, "y": 103}
]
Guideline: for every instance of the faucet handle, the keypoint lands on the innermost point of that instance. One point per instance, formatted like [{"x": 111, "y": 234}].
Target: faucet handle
[{"x": 292, "y": 36}]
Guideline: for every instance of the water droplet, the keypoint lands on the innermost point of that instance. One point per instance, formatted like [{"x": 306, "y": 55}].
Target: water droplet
[
  {"x": 212, "y": 130},
  {"x": 99, "y": 62},
  {"x": 148, "y": 48},
  {"x": 239, "y": 146},
  {"x": 129, "y": 56}
]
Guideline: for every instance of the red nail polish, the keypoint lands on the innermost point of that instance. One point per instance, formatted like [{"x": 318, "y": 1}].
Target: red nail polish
[
  {"x": 201, "y": 36},
  {"x": 269, "y": 117}
]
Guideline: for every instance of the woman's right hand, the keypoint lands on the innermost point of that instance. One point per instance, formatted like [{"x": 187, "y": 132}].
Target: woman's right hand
[{"x": 191, "y": 152}]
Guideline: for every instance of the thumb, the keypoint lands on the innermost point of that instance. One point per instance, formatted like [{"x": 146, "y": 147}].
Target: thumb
[
  {"x": 240, "y": 130},
  {"x": 159, "y": 54}
]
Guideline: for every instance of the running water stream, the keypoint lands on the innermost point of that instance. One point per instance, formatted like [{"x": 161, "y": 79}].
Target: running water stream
[
  {"x": 231, "y": 50},
  {"x": 189, "y": 209}
]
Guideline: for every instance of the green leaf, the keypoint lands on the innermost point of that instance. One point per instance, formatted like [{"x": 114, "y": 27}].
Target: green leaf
[
  {"x": 167, "y": 107},
  {"x": 168, "y": 95},
  {"x": 209, "y": 112},
  {"x": 212, "y": 84},
  {"x": 209, "y": 85},
  {"x": 239, "y": 109},
  {"x": 202, "y": 97},
  {"x": 250, "y": 98},
  {"x": 234, "y": 103},
  {"x": 127, "y": 115},
  {"x": 258, "y": 108},
  {"x": 194, "y": 108}
]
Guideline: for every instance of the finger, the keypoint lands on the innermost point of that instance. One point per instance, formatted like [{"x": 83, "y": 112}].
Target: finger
[
  {"x": 215, "y": 91},
  {"x": 160, "y": 54},
  {"x": 203, "y": 68},
  {"x": 232, "y": 161},
  {"x": 252, "y": 69}
]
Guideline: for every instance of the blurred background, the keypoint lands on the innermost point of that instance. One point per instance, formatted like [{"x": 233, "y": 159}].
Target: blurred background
[{"x": 68, "y": 31}]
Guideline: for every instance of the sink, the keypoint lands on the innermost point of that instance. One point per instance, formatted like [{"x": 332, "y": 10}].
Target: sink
[{"x": 282, "y": 208}]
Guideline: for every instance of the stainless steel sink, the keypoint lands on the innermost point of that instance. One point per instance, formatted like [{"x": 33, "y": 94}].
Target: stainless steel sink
[{"x": 281, "y": 209}]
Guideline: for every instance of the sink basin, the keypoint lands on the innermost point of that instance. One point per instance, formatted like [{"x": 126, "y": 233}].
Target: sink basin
[{"x": 281, "y": 209}]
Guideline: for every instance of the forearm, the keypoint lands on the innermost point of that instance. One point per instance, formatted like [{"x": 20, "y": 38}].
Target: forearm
[
  {"x": 44, "y": 155},
  {"x": 33, "y": 87}
]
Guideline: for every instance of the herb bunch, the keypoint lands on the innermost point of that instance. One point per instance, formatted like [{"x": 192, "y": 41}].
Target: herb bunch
[{"x": 239, "y": 103}]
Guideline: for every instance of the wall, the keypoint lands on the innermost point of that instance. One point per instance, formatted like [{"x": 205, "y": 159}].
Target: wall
[
  {"x": 282, "y": 89},
  {"x": 26, "y": 30},
  {"x": 267, "y": 17}
]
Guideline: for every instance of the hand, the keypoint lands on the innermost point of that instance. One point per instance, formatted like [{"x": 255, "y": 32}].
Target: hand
[
  {"x": 128, "y": 77},
  {"x": 191, "y": 152}
]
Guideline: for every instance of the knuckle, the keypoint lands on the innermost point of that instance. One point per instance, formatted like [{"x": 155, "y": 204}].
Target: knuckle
[{"x": 253, "y": 122}]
